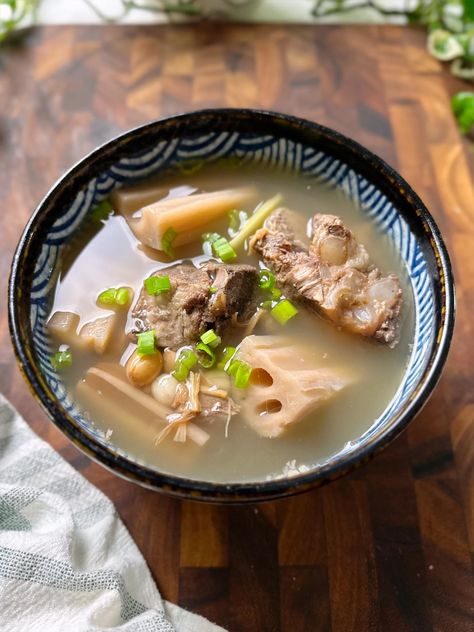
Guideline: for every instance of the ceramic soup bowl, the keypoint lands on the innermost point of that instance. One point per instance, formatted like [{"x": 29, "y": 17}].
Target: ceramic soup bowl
[{"x": 246, "y": 136}]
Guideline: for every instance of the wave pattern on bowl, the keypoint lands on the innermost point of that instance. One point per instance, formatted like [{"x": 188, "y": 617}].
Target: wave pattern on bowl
[{"x": 244, "y": 148}]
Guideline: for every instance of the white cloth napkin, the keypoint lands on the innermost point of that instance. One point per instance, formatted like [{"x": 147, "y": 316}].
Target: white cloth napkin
[{"x": 66, "y": 560}]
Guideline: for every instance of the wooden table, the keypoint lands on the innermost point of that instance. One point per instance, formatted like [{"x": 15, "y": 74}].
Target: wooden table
[{"x": 389, "y": 548}]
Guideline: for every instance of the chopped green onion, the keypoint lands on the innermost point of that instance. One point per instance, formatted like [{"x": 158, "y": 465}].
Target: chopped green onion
[
  {"x": 231, "y": 369},
  {"x": 107, "y": 297},
  {"x": 266, "y": 280},
  {"x": 210, "y": 338},
  {"x": 207, "y": 240},
  {"x": 61, "y": 360},
  {"x": 283, "y": 311},
  {"x": 226, "y": 355},
  {"x": 224, "y": 250},
  {"x": 184, "y": 363},
  {"x": 156, "y": 285},
  {"x": 241, "y": 372},
  {"x": 113, "y": 296},
  {"x": 206, "y": 357},
  {"x": 146, "y": 343},
  {"x": 242, "y": 377},
  {"x": 276, "y": 294},
  {"x": 188, "y": 358},
  {"x": 266, "y": 304},
  {"x": 102, "y": 211},
  {"x": 122, "y": 296},
  {"x": 236, "y": 219},
  {"x": 180, "y": 372},
  {"x": 167, "y": 241},
  {"x": 234, "y": 223},
  {"x": 211, "y": 237},
  {"x": 151, "y": 285},
  {"x": 212, "y": 290}
]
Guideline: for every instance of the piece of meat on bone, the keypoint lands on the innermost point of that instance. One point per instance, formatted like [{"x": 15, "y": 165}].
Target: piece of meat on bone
[
  {"x": 332, "y": 275},
  {"x": 180, "y": 316},
  {"x": 335, "y": 245}
]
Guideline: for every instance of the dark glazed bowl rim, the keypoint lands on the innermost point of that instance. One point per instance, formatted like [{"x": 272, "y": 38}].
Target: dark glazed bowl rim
[{"x": 364, "y": 161}]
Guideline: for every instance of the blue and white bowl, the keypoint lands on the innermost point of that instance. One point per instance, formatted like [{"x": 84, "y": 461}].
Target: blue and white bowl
[{"x": 246, "y": 136}]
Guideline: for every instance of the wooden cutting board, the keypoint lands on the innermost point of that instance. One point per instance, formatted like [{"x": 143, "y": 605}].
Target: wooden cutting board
[{"x": 389, "y": 548}]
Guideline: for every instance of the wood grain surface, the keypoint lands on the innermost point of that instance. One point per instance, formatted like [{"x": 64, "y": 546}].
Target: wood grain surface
[{"x": 389, "y": 548}]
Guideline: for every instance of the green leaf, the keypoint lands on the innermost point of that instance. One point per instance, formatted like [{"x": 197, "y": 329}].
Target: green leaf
[
  {"x": 20, "y": 9},
  {"x": 466, "y": 119},
  {"x": 444, "y": 45},
  {"x": 468, "y": 10},
  {"x": 462, "y": 105},
  {"x": 460, "y": 100}
]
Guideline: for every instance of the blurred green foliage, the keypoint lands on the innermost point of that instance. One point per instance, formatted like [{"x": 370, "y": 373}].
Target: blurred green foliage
[{"x": 13, "y": 13}]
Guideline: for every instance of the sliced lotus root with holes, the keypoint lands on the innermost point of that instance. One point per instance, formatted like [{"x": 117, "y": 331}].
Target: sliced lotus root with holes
[{"x": 283, "y": 390}]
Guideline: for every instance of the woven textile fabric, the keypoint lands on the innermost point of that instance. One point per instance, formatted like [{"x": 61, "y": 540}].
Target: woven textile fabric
[{"x": 66, "y": 560}]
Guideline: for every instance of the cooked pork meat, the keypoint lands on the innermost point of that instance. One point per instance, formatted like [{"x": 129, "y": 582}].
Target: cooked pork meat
[
  {"x": 234, "y": 289},
  {"x": 332, "y": 275},
  {"x": 288, "y": 222},
  {"x": 190, "y": 308}
]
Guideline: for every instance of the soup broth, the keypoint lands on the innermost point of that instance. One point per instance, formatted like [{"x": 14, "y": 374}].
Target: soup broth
[{"x": 109, "y": 255}]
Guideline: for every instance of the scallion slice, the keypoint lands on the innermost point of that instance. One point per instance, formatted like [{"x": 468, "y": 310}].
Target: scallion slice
[
  {"x": 123, "y": 296},
  {"x": 146, "y": 343},
  {"x": 61, "y": 360},
  {"x": 167, "y": 241},
  {"x": 206, "y": 356},
  {"x": 223, "y": 250},
  {"x": 231, "y": 368},
  {"x": 242, "y": 377},
  {"x": 241, "y": 372},
  {"x": 266, "y": 280},
  {"x": 184, "y": 363},
  {"x": 113, "y": 296},
  {"x": 210, "y": 338},
  {"x": 226, "y": 356},
  {"x": 211, "y": 237},
  {"x": 207, "y": 240},
  {"x": 276, "y": 294},
  {"x": 157, "y": 284},
  {"x": 107, "y": 297},
  {"x": 212, "y": 290},
  {"x": 188, "y": 358},
  {"x": 283, "y": 311},
  {"x": 236, "y": 220},
  {"x": 234, "y": 217},
  {"x": 180, "y": 372}
]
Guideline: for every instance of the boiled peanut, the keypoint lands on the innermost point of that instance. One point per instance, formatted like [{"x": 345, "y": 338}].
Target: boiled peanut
[{"x": 142, "y": 370}]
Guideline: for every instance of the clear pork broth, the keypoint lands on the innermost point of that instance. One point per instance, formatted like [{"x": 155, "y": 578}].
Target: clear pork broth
[{"x": 113, "y": 257}]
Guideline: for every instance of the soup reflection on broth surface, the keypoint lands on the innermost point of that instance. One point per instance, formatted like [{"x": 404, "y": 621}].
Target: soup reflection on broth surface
[{"x": 231, "y": 324}]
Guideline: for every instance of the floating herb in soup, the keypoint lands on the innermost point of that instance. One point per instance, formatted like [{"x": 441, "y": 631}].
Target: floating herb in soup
[{"x": 216, "y": 328}]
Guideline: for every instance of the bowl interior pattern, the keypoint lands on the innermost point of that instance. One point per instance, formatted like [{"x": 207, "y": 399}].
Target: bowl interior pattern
[{"x": 243, "y": 147}]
